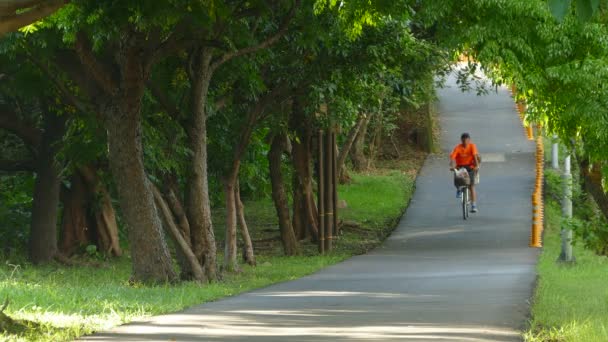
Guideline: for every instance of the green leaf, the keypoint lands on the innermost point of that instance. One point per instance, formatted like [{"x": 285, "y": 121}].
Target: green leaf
[
  {"x": 559, "y": 8},
  {"x": 584, "y": 10}
]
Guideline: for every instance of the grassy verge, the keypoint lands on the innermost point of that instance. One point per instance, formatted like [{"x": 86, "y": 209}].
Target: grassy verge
[
  {"x": 61, "y": 303},
  {"x": 571, "y": 301}
]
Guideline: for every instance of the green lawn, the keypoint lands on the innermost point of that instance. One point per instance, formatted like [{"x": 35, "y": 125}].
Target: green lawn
[
  {"x": 571, "y": 302},
  {"x": 67, "y": 302}
]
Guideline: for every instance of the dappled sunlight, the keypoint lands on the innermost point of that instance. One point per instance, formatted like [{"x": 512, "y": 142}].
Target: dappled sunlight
[
  {"x": 425, "y": 233},
  {"x": 263, "y": 325},
  {"x": 312, "y": 313},
  {"x": 309, "y": 294},
  {"x": 64, "y": 320}
]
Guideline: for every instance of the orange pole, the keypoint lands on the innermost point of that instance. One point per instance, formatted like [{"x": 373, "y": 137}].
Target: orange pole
[{"x": 537, "y": 196}]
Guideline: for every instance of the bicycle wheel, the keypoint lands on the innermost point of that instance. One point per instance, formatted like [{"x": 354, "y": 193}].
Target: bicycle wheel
[
  {"x": 465, "y": 203},
  {"x": 468, "y": 191}
]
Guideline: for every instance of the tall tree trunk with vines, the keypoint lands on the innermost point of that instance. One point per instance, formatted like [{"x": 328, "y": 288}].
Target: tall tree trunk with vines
[{"x": 304, "y": 203}]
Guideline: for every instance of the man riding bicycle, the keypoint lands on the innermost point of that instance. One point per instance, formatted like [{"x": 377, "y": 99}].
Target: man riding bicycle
[{"x": 465, "y": 155}]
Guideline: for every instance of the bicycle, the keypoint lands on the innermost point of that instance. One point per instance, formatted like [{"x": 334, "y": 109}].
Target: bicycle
[{"x": 463, "y": 184}]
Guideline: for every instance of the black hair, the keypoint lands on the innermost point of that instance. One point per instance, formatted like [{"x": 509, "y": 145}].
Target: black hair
[{"x": 464, "y": 136}]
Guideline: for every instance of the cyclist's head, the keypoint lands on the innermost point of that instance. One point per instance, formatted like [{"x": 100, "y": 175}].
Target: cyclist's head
[{"x": 464, "y": 137}]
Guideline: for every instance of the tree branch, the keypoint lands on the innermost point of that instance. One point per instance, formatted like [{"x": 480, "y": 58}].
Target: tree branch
[
  {"x": 174, "y": 112},
  {"x": 11, "y": 21},
  {"x": 12, "y": 123},
  {"x": 9, "y": 7},
  {"x": 99, "y": 71},
  {"x": 164, "y": 101},
  {"x": 264, "y": 44},
  {"x": 69, "y": 62},
  {"x": 345, "y": 150},
  {"x": 592, "y": 181},
  {"x": 63, "y": 88},
  {"x": 182, "y": 37},
  {"x": 17, "y": 165},
  {"x": 253, "y": 117}
]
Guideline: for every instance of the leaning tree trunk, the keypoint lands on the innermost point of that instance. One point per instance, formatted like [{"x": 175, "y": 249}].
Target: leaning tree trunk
[
  {"x": 43, "y": 233},
  {"x": 198, "y": 205},
  {"x": 106, "y": 227},
  {"x": 357, "y": 152},
  {"x": 248, "y": 254},
  {"x": 181, "y": 243},
  {"x": 346, "y": 148},
  {"x": 279, "y": 196},
  {"x": 179, "y": 213},
  {"x": 149, "y": 253}
]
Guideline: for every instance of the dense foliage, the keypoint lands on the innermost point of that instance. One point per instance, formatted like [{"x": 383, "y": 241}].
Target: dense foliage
[{"x": 136, "y": 118}]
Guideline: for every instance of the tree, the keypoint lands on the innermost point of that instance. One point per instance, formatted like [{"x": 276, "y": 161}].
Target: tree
[{"x": 18, "y": 13}]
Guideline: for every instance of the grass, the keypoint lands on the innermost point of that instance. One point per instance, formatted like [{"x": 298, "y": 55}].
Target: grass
[
  {"x": 60, "y": 303},
  {"x": 69, "y": 302},
  {"x": 571, "y": 301}
]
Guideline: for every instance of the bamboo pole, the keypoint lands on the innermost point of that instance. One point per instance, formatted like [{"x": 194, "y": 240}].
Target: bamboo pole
[
  {"x": 328, "y": 218},
  {"x": 335, "y": 188},
  {"x": 321, "y": 193}
]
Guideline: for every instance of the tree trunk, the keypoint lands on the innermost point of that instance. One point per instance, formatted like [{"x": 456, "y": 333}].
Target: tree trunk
[
  {"x": 321, "y": 174},
  {"x": 357, "y": 153},
  {"x": 279, "y": 196},
  {"x": 346, "y": 148},
  {"x": 230, "y": 261},
  {"x": 174, "y": 203},
  {"x": 76, "y": 229},
  {"x": 298, "y": 221},
  {"x": 301, "y": 157},
  {"x": 149, "y": 253},
  {"x": 248, "y": 254},
  {"x": 592, "y": 179},
  {"x": 231, "y": 183},
  {"x": 106, "y": 228},
  {"x": 181, "y": 243},
  {"x": 43, "y": 233},
  {"x": 88, "y": 215},
  {"x": 198, "y": 206}
]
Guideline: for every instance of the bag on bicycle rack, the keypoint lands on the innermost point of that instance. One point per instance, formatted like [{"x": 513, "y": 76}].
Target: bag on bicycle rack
[{"x": 461, "y": 178}]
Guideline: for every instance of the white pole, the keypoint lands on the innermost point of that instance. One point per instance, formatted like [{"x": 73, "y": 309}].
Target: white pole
[
  {"x": 566, "y": 254},
  {"x": 555, "y": 153}
]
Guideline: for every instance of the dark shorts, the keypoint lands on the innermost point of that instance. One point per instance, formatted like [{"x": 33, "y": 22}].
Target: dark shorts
[{"x": 471, "y": 172}]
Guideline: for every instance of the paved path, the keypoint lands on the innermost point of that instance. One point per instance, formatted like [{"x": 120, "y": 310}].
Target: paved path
[{"x": 437, "y": 278}]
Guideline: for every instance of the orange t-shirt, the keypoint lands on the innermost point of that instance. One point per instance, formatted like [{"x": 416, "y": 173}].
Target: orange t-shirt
[{"x": 464, "y": 156}]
